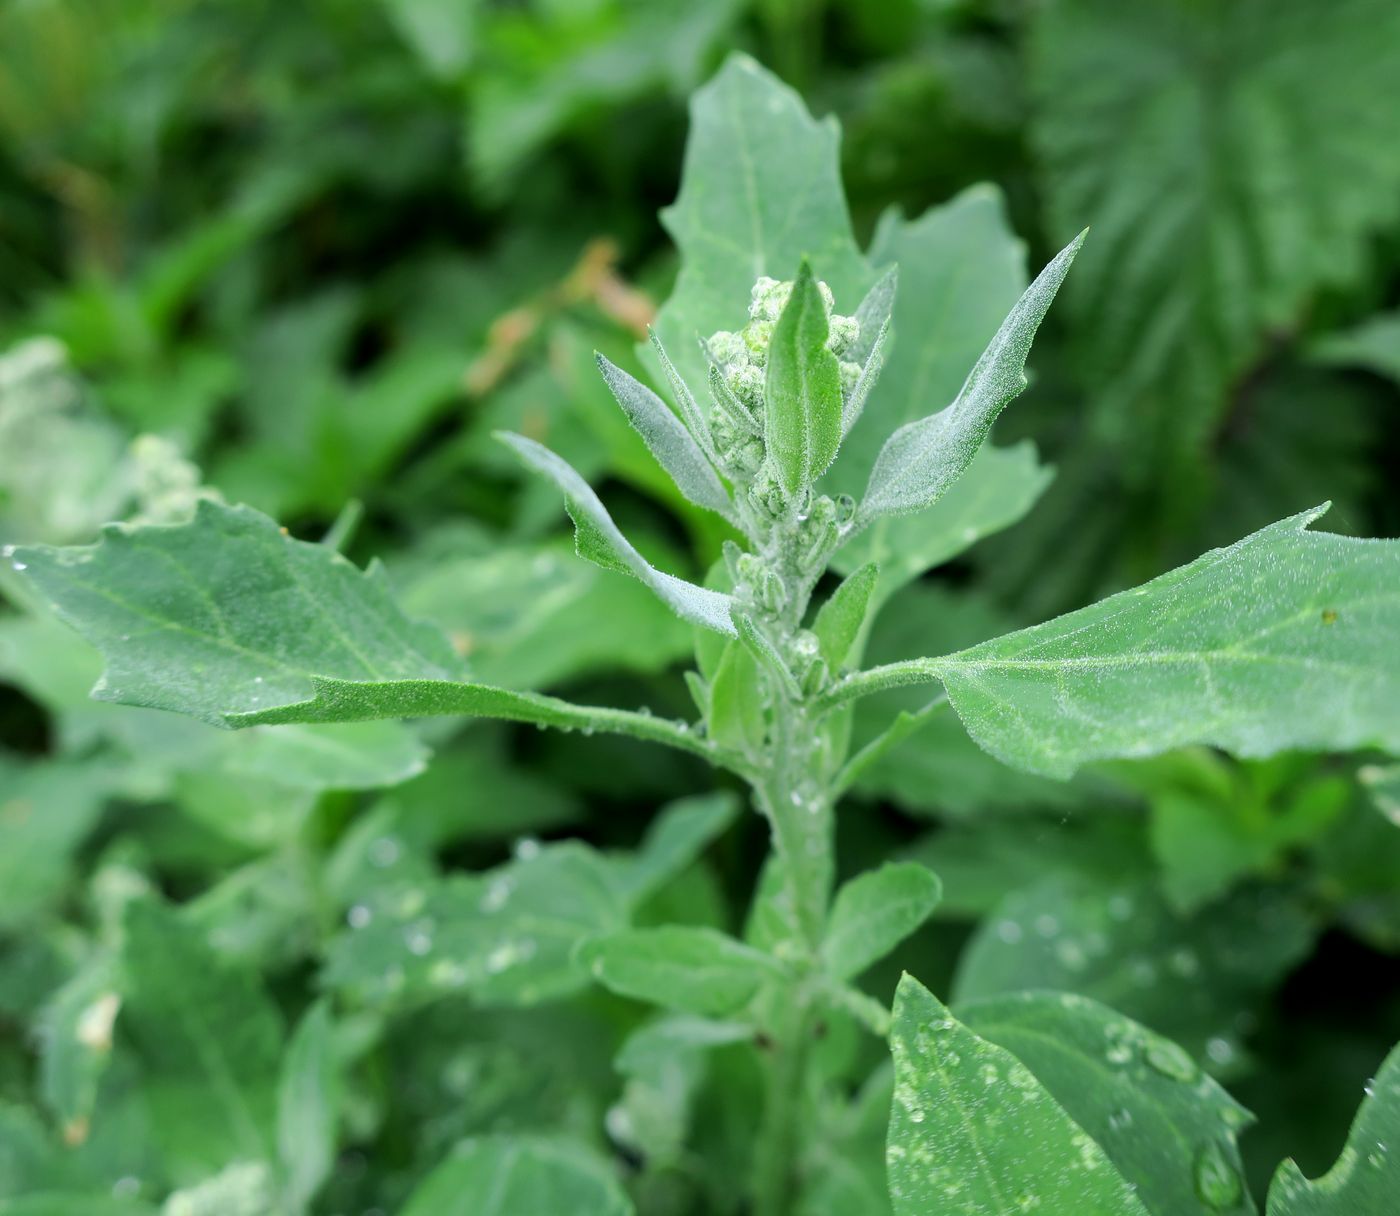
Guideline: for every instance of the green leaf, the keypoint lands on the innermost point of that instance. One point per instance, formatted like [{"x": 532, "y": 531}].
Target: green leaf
[
  {"x": 229, "y": 620},
  {"x": 693, "y": 970},
  {"x": 308, "y": 1104},
  {"x": 1191, "y": 978},
  {"x": 1169, "y": 1130},
  {"x": 922, "y": 459},
  {"x": 513, "y": 1175},
  {"x": 210, "y": 1042},
  {"x": 972, "y": 1131},
  {"x": 1383, "y": 784},
  {"x": 598, "y": 539},
  {"x": 1283, "y": 640},
  {"x": 736, "y": 717},
  {"x": 839, "y": 621},
  {"x": 802, "y": 394},
  {"x": 668, "y": 440},
  {"x": 1374, "y": 345},
  {"x": 876, "y": 911},
  {"x": 760, "y": 190},
  {"x": 1200, "y": 254},
  {"x": 1366, "y": 1177},
  {"x": 75, "y": 1037},
  {"x": 505, "y": 936},
  {"x": 441, "y": 32}
]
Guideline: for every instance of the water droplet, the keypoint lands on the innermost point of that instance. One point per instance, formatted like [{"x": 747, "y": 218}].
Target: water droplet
[
  {"x": 496, "y": 894},
  {"x": 18, "y": 566},
  {"x": 527, "y": 848},
  {"x": 1220, "y": 1050},
  {"x": 1170, "y": 1060},
  {"x": 1120, "y": 1119},
  {"x": 1009, "y": 932},
  {"x": 1046, "y": 925},
  {"x": 127, "y": 1187},
  {"x": 419, "y": 938},
  {"x": 1370, "y": 1087},
  {"x": 384, "y": 852},
  {"x": 359, "y": 916},
  {"x": 1218, "y": 1183}
]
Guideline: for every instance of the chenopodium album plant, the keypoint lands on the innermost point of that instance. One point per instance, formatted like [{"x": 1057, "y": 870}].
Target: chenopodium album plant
[{"x": 1038, "y": 1102}]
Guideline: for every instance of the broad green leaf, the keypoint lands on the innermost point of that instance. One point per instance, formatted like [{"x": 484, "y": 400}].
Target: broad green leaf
[
  {"x": 514, "y": 1175},
  {"x": 598, "y": 539},
  {"x": 505, "y": 936},
  {"x": 972, "y": 1131},
  {"x": 1283, "y": 640},
  {"x": 308, "y": 1105},
  {"x": 1366, "y": 1177},
  {"x": 876, "y": 911},
  {"x": 922, "y": 459},
  {"x": 209, "y": 1040},
  {"x": 802, "y": 395},
  {"x": 75, "y": 1041},
  {"x": 1374, "y": 345},
  {"x": 1169, "y": 1129},
  {"x": 675, "y": 838},
  {"x": 839, "y": 621},
  {"x": 1200, "y": 251},
  {"x": 693, "y": 970},
  {"x": 1190, "y": 978},
  {"x": 441, "y": 32},
  {"x": 227, "y": 619},
  {"x": 760, "y": 190},
  {"x": 668, "y": 440}
]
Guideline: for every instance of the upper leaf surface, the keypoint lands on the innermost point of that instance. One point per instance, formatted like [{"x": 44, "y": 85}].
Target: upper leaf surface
[
  {"x": 972, "y": 1131},
  {"x": 760, "y": 189},
  {"x": 1285, "y": 639},
  {"x": 1168, "y": 1128},
  {"x": 227, "y": 616},
  {"x": 802, "y": 423},
  {"x": 876, "y": 911},
  {"x": 1366, "y": 1177}
]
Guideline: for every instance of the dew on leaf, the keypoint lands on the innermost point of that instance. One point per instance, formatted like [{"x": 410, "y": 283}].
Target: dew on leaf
[
  {"x": 359, "y": 916},
  {"x": 1217, "y": 1182},
  {"x": 1170, "y": 1060}
]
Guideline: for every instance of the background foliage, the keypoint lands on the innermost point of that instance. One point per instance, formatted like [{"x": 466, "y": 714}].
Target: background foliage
[{"x": 316, "y": 253}]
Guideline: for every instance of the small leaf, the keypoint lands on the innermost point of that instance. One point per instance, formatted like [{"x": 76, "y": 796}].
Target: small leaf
[
  {"x": 514, "y": 1175},
  {"x": 1366, "y": 1178},
  {"x": 838, "y": 621},
  {"x": 922, "y": 459},
  {"x": 75, "y": 1043},
  {"x": 802, "y": 396},
  {"x": 736, "y": 715},
  {"x": 973, "y": 1132},
  {"x": 1139, "y": 1096},
  {"x": 874, "y": 315},
  {"x": 876, "y": 911},
  {"x": 308, "y": 1103},
  {"x": 694, "y": 970},
  {"x": 668, "y": 440},
  {"x": 598, "y": 539}
]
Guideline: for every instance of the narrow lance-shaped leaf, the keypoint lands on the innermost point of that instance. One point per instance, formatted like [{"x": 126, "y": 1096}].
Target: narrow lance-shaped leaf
[
  {"x": 229, "y": 620},
  {"x": 838, "y": 621},
  {"x": 1366, "y": 1178},
  {"x": 922, "y": 459},
  {"x": 802, "y": 419},
  {"x": 598, "y": 539},
  {"x": 871, "y": 344},
  {"x": 1286, "y": 639},
  {"x": 973, "y": 1132},
  {"x": 308, "y": 1100},
  {"x": 668, "y": 439}
]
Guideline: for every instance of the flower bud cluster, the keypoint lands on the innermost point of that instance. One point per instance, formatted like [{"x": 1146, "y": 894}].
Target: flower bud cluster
[{"x": 740, "y": 362}]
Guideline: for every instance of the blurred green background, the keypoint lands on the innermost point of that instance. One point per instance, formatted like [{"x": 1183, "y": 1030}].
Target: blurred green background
[{"x": 315, "y": 252}]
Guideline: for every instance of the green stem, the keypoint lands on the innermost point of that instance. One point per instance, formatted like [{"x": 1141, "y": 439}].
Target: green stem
[{"x": 775, "y": 1182}]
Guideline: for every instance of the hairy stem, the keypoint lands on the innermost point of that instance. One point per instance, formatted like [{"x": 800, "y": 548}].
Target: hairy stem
[{"x": 775, "y": 1181}]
